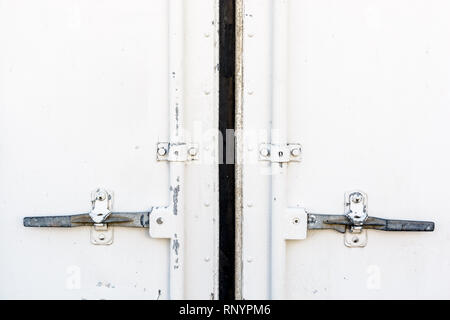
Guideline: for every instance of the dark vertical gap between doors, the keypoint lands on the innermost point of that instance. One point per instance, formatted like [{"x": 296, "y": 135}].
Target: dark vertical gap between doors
[{"x": 226, "y": 169}]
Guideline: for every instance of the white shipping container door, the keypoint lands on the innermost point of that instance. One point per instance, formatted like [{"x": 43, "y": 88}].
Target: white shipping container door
[
  {"x": 364, "y": 87},
  {"x": 87, "y": 91}
]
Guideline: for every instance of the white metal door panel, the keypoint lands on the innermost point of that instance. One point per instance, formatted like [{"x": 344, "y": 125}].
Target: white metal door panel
[
  {"x": 85, "y": 96},
  {"x": 367, "y": 96}
]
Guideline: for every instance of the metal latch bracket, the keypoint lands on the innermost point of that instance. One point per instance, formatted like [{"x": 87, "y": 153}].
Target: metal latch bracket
[
  {"x": 356, "y": 211},
  {"x": 296, "y": 224},
  {"x": 102, "y": 201},
  {"x": 162, "y": 223}
]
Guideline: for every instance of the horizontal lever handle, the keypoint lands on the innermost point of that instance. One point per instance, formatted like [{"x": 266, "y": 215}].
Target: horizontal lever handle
[
  {"x": 131, "y": 220},
  {"x": 341, "y": 222},
  {"x": 400, "y": 225},
  {"x": 54, "y": 221}
]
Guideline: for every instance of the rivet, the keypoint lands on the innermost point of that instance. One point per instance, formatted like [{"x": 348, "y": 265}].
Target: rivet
[
  {"x": 250, "y": 35},
  {"x": 101, "y": 236},
  {"x": 207, "y": 259},
  {"x": 206, "y": 35},
  {"x": 206, "y": 204},
  {"x": 159, "y": 220},
  {"x": 249, "y": 204}
]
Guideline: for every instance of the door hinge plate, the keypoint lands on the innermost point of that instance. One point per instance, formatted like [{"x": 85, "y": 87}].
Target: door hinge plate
[
  {"x": 177, "y": 152},
  {"x": 280, "y": 153}
]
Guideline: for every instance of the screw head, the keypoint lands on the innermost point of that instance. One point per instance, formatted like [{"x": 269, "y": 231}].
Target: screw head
[
  {"x": 162, "y": 151},
  {"x": 264, "y": 152},
  {"x": 295, "y": 152},
  {"x": 296, "y": 221},
  {"x": 192, "y": 151},
  {"x": 159, "y": 220},
  {"x": 101, "y": 236}
]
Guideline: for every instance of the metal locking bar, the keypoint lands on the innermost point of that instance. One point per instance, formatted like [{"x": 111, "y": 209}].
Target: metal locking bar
[
  {"x": 129, "y": 220},
  {"x": 101, "y": 218},
  {"x": 356, "y": 221}
]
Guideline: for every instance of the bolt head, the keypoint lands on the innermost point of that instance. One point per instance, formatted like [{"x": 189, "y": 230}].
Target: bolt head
[
  {"x": 162, "y": 151},
  {"x": 264, "y": 152},
  {"x": 192, "y": 151},
  {"x": 295, "y": 152}
]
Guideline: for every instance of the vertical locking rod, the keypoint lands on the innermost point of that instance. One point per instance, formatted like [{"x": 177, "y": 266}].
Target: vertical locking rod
[
  {"x": 278, "y": 137},
  {"x": 176, "y": 115}
]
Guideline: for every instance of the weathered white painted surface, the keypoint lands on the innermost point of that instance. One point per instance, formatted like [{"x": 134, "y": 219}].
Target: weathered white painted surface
[
  {"x": 83, "y": 103},
  {"x": 368, "y": 98}
]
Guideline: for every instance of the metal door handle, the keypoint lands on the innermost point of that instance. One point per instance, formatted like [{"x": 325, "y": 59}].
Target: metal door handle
[
  {"x": 129, "y": 220},
  {"x": 101, "y": 218},
  {"x": 341, "y": 223}
]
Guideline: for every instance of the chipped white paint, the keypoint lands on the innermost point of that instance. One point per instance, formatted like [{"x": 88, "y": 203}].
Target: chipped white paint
[
  {"x": 366, "y": 93},
  {"x": 85, "y": 97}
]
